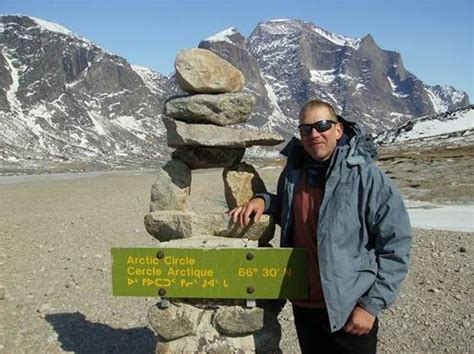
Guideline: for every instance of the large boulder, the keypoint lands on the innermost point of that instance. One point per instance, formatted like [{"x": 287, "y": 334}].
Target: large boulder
[
  {"x": 175, "y": 321},
  {"x": 202, "y": 71},
  {"x": 238, "y": 321},
  {"x": 222, "y": 109},
  {"x": 207, "y": 340},
  {"x": 172, "y": 187},
  {"x": 182, "y": 134},
  {"x": 169, "y": 225},
  {"x": 208, "y": 157}
]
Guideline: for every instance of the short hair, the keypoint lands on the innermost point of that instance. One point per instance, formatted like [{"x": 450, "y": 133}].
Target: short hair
[{"x": 311, "y": 104}]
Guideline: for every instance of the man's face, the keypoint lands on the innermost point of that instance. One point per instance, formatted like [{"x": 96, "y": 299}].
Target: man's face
[{"x": 320, "y": 146}]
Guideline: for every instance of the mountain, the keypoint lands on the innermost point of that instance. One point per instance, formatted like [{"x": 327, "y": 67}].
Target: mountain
[
  {"x": 288, "y": 62},
  {"x": 451, "y": 129},
  {"x": 64, "y": 98}
]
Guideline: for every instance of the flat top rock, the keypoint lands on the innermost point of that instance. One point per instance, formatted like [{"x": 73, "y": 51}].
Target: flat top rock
[
  {"x": 202, "y": 71},
  {"x": 220, "y": 109},
  {"x": 182, "y": 134}
]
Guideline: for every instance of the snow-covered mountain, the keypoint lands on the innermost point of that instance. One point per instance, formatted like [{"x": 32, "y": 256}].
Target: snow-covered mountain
[
  {"x": 450, "y": 127},
  {"x": 287, "y": 62},
  {"x": 64, "y": 98}
]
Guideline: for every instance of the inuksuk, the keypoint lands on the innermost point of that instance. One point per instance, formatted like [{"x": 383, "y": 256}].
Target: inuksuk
[{"x": 198, "y": 127}]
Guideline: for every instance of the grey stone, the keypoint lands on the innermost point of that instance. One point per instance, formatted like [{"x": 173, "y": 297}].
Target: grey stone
[
  {"x": 238, "y": 321},
  {"x": 221, "y": 109},
  {"x": 209, "y": 157},
  {"x": 167, "y": 225},
  {"x": 172, "y": 187},
  {"x": 202, "y": 71},
  {"x": 182, "y": 134},
  {"x": 241, "y": 182},
  {"x": 175, "y": 321},
  {"x": 207, "y": 340}
]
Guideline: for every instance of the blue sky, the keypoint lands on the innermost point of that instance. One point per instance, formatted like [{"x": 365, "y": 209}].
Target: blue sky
[{"x": 435, "y": 37}]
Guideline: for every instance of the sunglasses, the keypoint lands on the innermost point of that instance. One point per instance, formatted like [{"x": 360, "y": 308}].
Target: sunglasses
[{"x": 320, "y": 127}]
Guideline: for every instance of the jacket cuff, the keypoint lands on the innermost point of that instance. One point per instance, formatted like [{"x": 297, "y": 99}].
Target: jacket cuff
[{"x": 369, "y": 305}]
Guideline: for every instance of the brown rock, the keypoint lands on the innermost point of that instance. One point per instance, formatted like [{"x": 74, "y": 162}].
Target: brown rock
[
  {"x": 241, "y": 182},
  {"x": 202, "y": 71}
]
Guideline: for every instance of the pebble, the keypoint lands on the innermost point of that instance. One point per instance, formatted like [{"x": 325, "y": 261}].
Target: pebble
[
  {"x": 462, "y": 249},
  {"x": 458, "y": 297},
  {"x": 434, "y": 290},
  {"x": 2, "y": 293},
  {"x": 45, "y": 308}
]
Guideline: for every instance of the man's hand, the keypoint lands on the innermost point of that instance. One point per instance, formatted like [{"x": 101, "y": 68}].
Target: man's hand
[
  {"x": 242, "y": 213},
  {"x": 360, "y": 322}
]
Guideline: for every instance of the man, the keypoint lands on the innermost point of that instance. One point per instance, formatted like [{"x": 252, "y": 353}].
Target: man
[{"x": 332, "y": 200}]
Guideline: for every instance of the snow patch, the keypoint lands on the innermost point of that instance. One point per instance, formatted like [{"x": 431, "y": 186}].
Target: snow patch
[
  {"x": 223, "y": 36},
  {"x": 338, "y": 39},
  {"x": 438, "y": 104},
  {"x": 322, "y": 77},
  {"x": 52, "y": 27},
  {"x": 13, "y": 100},
  {"x": 151, "y": 78},
  {"x": 97, "y": 121},
  {"x": 394, "y": 87},
  {"x": 441, "y": 217},
  {"x": 434, "y": 127}
]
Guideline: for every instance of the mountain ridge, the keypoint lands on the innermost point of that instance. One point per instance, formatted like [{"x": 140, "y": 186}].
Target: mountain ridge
[{"x": 64, "y": 98}]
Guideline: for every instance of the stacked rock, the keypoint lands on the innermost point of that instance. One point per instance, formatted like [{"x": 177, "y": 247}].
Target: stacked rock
[{"x": 198, "y": 128}]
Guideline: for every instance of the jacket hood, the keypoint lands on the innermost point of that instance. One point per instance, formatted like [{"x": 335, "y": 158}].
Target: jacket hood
[{"x": 359, "y": 146}]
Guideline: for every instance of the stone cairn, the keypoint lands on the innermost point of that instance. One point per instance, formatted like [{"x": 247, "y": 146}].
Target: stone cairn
[{"x": 197, "y": 127}]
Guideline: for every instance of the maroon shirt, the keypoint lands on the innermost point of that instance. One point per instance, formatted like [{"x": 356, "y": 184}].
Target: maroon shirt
[{"x": 306, "y": 203}]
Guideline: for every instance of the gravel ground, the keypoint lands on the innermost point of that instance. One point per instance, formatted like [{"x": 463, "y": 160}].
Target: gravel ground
[{"x": 55, "y": 282}]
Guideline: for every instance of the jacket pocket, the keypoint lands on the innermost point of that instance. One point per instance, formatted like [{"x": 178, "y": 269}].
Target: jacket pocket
[{"x": 362, "y": 263}]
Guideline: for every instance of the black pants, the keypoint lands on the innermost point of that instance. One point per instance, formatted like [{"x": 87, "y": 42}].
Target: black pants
[{"x": 314, "y": 334}]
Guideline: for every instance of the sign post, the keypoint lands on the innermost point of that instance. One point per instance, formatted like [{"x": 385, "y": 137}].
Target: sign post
[{"x": 227, "y": 273}]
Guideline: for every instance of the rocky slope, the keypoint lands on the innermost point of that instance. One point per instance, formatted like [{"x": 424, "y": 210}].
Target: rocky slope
[
  {"x": 452, "y": 129},
  {"x": 62, "y": 97}
]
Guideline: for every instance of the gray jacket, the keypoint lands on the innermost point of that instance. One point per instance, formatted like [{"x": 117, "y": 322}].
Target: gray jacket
[{"x": 363, "y": 234}]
